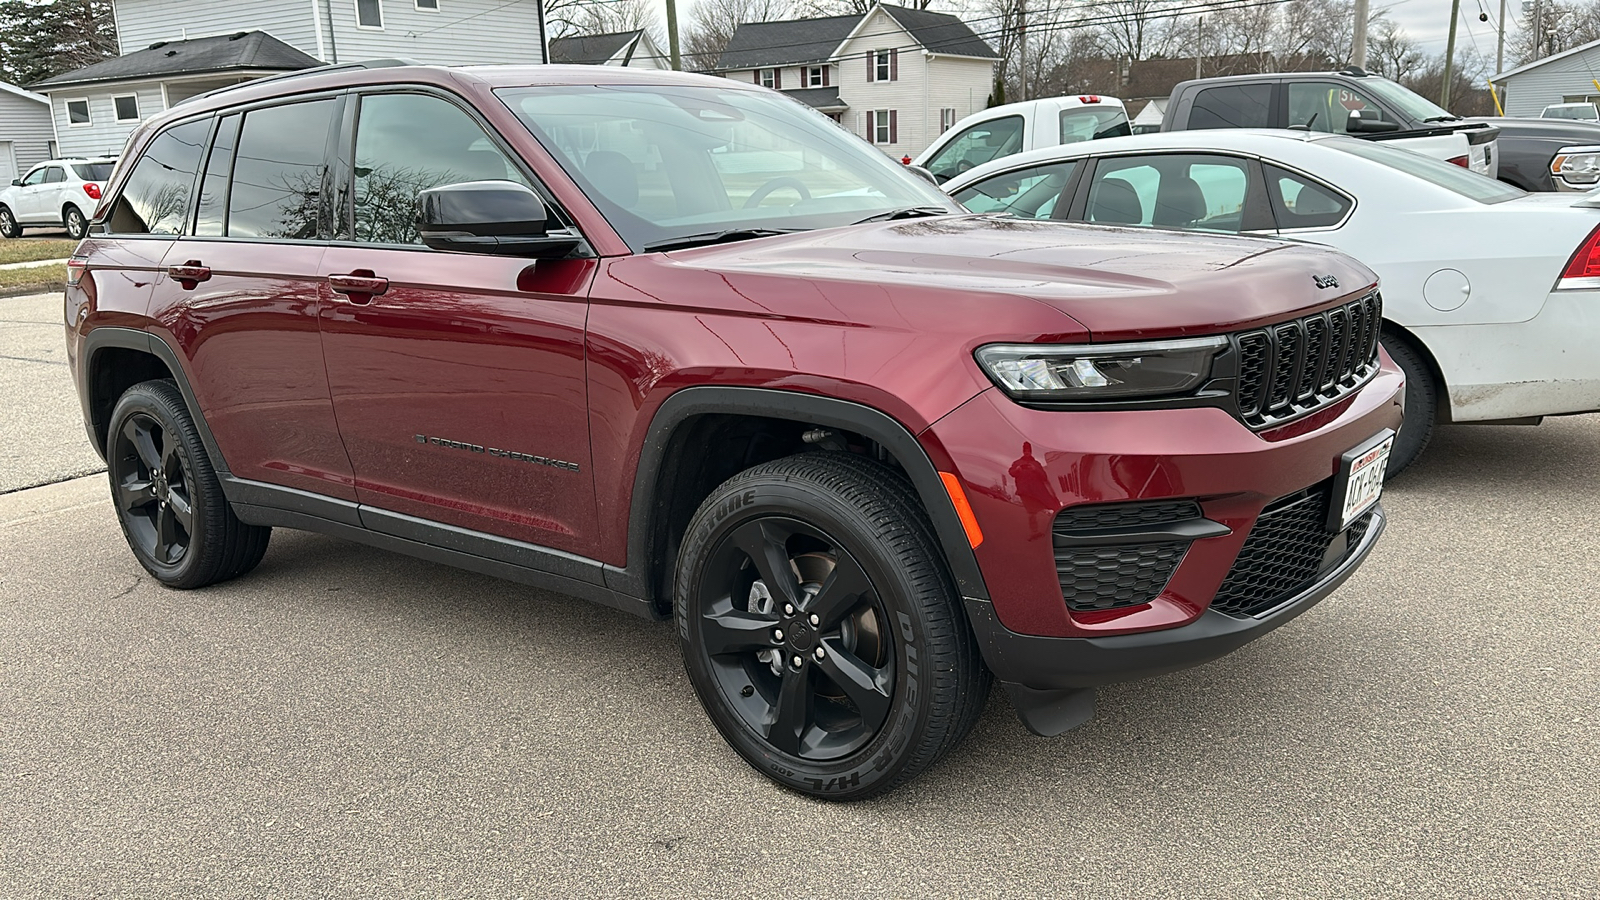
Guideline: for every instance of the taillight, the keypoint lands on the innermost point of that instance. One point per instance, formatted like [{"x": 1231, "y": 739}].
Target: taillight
[
  {"x": 1461, "y": 161},
  {"x": 1583, "y": 270},
  {"x": 92, "y": 189},
  {"x": 76, "y": 266},
  {"x": 1088, "y": 98}
]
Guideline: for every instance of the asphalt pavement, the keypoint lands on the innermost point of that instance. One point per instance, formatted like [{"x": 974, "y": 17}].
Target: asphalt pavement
[{"x": 345, "y": 722}]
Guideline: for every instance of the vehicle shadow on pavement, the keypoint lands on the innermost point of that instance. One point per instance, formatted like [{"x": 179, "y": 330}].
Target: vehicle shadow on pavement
[{"x": 1477, "y": 458}]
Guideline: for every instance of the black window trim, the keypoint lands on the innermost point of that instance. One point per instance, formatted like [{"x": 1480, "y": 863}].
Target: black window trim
[
  {"x": 1257, "y": 205},
  {"x": 344, "y": 161}
]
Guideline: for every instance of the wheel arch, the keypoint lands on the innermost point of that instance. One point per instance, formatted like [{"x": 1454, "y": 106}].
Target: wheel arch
[
  {"x": 116, "y": 359},
  {"x": 1441, "y": 388},
  {"x": 666, "y": 489}
]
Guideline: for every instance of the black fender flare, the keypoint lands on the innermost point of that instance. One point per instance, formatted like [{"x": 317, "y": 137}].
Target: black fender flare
[
  {"x": 866, "y": 421},
  {"x": 109, "y": 336}
]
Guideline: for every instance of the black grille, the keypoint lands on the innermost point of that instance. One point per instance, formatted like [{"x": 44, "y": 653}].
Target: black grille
[
  {"x": 1283, "y": 553},
  {"x": 1293, "y": 368},
  {"x": 1112, "y": 576}
]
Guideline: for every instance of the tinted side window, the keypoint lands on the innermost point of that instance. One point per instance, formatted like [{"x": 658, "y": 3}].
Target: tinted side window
[
  {"x": 1026, "y": 193},
  {"x": 977, "y": 145},
  {"x": 1299, "y": 202},
  {"x": 1088, "y": 124},
  {"x": 278, "y": 172},
  {"x": 211, "y": 217},
  {"x": 1233, "y": 106},
  {"x": 407, "y": 143},
  {"x": 1203, "y": 193},
  {"x": 54, "y": 174},
  {"x": 155, "y": 199},
  {"x": 1327, "y": 107}
]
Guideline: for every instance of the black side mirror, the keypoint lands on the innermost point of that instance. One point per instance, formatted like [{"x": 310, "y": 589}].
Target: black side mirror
[
  {"x": 489, "y": 217},
  {"x": 16, "y": 182},
  {"x": 1363, "y": 123}
]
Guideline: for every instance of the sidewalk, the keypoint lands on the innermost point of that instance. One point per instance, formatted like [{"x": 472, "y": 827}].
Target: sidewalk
[
  {"x": 49, "y": 444},
  {"x": 30, "y": 265}
]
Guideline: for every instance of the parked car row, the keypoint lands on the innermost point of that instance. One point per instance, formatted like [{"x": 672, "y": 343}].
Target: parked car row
[{"x": 58, "y": 193}]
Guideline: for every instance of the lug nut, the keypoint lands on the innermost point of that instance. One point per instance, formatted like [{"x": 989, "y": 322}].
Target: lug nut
[
  {"x": 820, "y": 653},
  {"x": 777, "y": 635},
  {"x": 788, "y": 609},
  {"x": 815, "y": 620},
  {"x": 797, "y": 661}
]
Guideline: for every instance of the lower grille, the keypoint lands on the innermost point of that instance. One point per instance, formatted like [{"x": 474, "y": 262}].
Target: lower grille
[
  {"x": 1123, "y": 570},
  {"x": 1284, "y": 553}
]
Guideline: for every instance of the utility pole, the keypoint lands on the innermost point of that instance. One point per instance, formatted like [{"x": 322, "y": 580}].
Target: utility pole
[
  {"x": 1500, "y": 42},
  {"x": 1358, "y": 48},
  {"x": 672, "y": 34},
  {"x": 1022, "y": 33},
  {"x": 1538, "y": 28},
  {"x": 1449, "y": 54},
  {"x": 1199, "y": 21}
]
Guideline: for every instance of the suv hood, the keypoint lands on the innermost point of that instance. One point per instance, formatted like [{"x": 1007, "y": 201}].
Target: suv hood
[{"x": 1117, "y": 282}]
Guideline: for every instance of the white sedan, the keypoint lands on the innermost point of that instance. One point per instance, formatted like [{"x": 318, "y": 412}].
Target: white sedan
[{"x": 1491, "y": 295}]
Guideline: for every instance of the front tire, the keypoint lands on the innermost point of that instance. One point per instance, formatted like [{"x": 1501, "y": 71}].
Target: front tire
[
  {"x": 77, "y": 226},
  {"x": 821, "y": 630},
  {"x": 1422, "y": 404},
  {"x": 8, "y": 224},
  {"x": 168, "y": 499}
]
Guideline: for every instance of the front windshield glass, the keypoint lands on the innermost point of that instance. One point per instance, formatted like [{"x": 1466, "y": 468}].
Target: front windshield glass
[
  {"x": 1450, "y": 177},
  {"x": 1414, "y": 105},
  {"x": 668, "y": 163}
]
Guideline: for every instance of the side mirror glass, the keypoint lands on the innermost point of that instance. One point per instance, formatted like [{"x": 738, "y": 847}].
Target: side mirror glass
[{"x": 489, "y": 217}]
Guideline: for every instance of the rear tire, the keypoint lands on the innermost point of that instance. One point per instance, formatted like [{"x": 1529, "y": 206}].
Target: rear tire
[
  {"x": 167, "y": 497},
  {"x": 886, "y": 678},
  {"x": 8, "y": 224},
  {"x": 1422, "y": 404},
  {"x": 77, "y": 226}
]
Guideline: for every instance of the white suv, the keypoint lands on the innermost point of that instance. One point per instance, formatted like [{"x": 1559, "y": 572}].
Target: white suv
[{"x": 58, "y": 193}]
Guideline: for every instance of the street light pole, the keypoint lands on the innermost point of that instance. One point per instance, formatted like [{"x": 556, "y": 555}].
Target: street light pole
[{"x": 1358, "y": 52}]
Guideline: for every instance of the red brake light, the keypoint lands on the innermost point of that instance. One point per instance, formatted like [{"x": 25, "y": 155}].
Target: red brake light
[
  {"x": 92, "y": 189},
  {"x": 1461, "y": 161},
  {"x": 1088, "y": 98},
  {"x": 76, "y": 266},
  {"x": 1586, "y": 262}
]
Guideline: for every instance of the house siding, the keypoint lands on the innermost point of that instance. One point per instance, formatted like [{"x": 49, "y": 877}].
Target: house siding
[
  {"x": 1529, "y": 93},
  {"x": 104, "y": 136},
  {"x": 24, "y": 124},
  {"x": 462, "y": 32},
  {"x": 927, "y": 83},
  {"x": 141, "y": 23}
]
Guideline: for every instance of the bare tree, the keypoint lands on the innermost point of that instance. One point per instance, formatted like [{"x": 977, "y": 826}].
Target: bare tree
[
  {"x": 1392, "y": 53},
  {"x": 713, "y": 22}
]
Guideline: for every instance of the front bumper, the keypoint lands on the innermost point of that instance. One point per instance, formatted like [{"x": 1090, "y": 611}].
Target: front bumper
[{"x": 1058, "y": 664}]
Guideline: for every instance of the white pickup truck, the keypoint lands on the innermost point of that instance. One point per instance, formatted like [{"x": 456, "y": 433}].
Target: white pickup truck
[{"x": 1015, "y": 127}]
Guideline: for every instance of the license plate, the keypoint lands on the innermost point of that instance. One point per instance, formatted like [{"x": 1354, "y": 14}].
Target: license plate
[{"x": 1360, "y": 480}]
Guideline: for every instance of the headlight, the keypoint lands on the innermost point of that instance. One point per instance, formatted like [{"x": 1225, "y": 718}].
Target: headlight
[
  {"x": 1577, "y": 165},
  {"x": 1100, "y": 372}
]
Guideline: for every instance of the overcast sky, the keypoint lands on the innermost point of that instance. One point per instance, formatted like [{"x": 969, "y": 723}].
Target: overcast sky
[{"x": 1428, "y": 21}]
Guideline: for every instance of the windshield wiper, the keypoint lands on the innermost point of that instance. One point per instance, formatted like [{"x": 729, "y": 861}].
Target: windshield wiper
[
  {"x": 726, "y": 236},
  {"x": 1441, "y": 119},
  {"x": 908, "y": 212}
]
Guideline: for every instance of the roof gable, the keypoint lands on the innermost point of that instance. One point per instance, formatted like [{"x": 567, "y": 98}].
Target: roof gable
[
  {"x": 243, "y": 50},
  {"x": 591, "y": 49},
  {"x": 1527, "y": 67},
  {"x": 26, "y": 95},
  {"x": 940, "y": 32}
]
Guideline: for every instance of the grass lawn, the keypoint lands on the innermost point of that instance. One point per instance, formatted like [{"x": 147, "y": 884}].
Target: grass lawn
[
  {"x": 48, "y": 278},
  {"x": 29, "y": 250}
]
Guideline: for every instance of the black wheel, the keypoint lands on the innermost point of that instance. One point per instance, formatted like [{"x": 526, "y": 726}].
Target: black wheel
[
  {"x": 820, "y": 628},
  {"x": 8, "y": 224},
  {"x": 167, "y": 496},
  {"x": 77, "y": 225},
  {"x": 1422, "y": 404}
]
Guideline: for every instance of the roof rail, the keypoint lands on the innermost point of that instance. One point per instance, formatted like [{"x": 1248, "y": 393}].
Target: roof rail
[{"x": 298, "y": 73}]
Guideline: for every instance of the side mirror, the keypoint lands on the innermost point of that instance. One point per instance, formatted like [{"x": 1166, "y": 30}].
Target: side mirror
[
  {"x": 923, "y": 173},
  {"x": 1362, "y": 123},
  {"x": 16, "y": 182},
  {"x": 500, "y": 217}
]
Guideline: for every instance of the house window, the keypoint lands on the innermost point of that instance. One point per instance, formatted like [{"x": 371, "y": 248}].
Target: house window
[
  {"x": 769, "y": 78},
  {"x": 817, "y": 76},
  {"x": 947, "y": 119},
  {"x": 127, "y": 107},
  {"x": 369, "y": 13},
  {"x": 885, "y": 65},
  {"x": 428, "y": 5},
  {"x": 882, "y": 126},
  {"x": 78, "y": 112}
]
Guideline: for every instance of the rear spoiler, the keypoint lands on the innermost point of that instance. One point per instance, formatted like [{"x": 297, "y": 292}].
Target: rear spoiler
[
  {"x": 1590, "y": 200},
  {"x": 1476, "y": 132}
]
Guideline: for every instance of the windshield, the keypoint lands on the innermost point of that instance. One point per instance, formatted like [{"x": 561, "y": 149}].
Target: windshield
[
  {"x": 1409, "y": 102},
  {"x": 1080, "y": 124},
  {"x": 95, "y": 171},
  {"x": 1467, "y": 183},
  {"x": 666, "y": 163}
]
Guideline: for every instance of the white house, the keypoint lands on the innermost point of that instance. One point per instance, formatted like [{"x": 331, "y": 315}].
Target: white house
[
  {"x": 174, "y": 49},
  {"x": 25, "y": 133},
  {"x": 897, "y": 76},
  {"x": 633, "y": 49},
  {"x": 1567, "y": 77}
]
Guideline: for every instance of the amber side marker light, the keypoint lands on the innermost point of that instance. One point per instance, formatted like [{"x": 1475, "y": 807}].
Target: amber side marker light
[{"x": 958, "y": 497}]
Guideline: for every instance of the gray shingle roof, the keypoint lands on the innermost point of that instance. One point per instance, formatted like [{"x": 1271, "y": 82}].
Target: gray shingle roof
[
  {"x": 590, "y": 49},
  {"x": 823, "y": 98},
  {"x": 244, "y": 50},
  {"x": 757, "y": 45}
]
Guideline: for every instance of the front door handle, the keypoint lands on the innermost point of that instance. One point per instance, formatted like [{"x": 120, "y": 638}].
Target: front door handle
[
  {"x": 360, "y": 286},
  {"x": 190, "y": 274}
]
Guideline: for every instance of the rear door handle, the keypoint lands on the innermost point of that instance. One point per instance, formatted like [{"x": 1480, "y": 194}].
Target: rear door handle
[
  {"x": 190, "y": 274},
  {"x": 360, "y": 286}
]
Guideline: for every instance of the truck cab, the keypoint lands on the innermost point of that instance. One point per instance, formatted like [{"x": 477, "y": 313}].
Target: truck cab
[{"x": 1017, "y": 127}]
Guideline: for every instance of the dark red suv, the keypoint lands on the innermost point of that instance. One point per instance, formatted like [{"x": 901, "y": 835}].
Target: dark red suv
[{"x": 684, "y": 347}]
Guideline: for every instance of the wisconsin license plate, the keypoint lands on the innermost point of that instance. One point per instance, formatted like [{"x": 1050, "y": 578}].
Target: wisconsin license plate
[{"x": 1360, "y": 480}]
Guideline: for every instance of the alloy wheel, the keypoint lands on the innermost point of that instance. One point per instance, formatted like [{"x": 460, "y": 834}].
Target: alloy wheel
[{"x": 152, "y": 489}]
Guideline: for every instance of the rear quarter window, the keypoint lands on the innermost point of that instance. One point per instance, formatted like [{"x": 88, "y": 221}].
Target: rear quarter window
[{"x": 156, "y": 197}]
